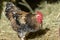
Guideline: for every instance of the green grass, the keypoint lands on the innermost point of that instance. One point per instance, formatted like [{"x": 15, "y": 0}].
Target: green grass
[{"x": 51, "y": 21}]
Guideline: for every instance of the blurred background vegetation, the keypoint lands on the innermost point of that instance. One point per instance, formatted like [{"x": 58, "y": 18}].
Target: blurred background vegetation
[
  {"x": 30, "y": 2},
  {"x": 50, "y": 10}
]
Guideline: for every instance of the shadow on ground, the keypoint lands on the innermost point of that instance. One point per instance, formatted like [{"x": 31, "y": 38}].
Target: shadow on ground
[{"x": 37, "y": 34}]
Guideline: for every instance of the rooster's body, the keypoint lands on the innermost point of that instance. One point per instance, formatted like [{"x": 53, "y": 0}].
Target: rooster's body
[{"x": 23, "y": 22}]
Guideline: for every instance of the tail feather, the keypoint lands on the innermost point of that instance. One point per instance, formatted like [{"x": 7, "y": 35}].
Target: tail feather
[{"x": 9, "y": 6}]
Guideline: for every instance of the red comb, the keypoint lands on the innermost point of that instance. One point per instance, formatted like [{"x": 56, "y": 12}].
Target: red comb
[{"x": 39, "y": 17}]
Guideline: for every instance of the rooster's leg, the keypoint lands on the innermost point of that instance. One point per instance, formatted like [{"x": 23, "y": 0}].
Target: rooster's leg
[
  {"x": 22, "y": 38},
  {"x": 22, "y": 35}
]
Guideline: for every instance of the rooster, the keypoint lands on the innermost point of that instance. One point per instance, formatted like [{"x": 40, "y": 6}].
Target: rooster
[{"x": 23, "y": 22}]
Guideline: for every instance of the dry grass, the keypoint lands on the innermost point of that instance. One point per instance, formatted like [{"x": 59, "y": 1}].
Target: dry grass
[{"x": 51, "y": 21}]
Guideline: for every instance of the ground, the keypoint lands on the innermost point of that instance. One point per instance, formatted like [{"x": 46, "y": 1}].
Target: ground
[{"x": 51, "y": 21}]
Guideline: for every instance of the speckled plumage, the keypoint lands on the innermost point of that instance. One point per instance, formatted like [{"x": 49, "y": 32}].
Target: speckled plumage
[{"x": 22, "y": 22}]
